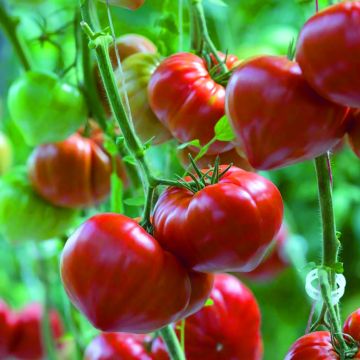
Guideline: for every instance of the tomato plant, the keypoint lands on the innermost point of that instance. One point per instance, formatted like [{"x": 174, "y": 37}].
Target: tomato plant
[
  {"x": 60, "y": 107},
  {"x": 312, "y": 125},
  {"x": 128, "y": 4}
]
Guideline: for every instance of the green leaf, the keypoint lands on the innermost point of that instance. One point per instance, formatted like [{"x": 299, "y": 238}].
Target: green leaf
[
  {"x": 194, "y": 142},
  {"x": 135, "y": 201},
  {"x": 129, "y": 159},
  {"x": 110, "y": 146},
  {"x": 209, "y": 302},
  {"x": 223, "y": 130},
  {"x": 168, "y": 22},
  {"x": 339, "y": 268},
  {"x": 218, "y": 2}
]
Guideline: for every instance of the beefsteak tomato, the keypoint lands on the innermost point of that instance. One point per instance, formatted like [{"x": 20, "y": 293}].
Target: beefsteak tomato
[
  {"x": 44, "y": 108},
  {"x": 333, "y": 74},
  {"x": 227, "y": 226},
  {"x": 187, "y": 100},
  {"x": 19, "y": 205},
  {"x": 74, "y": 173},
  {"x": 146, "y": 287},
  {"x": 278, "y": 118}
]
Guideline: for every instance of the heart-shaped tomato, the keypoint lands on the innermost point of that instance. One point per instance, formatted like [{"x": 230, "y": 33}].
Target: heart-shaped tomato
[
  {"x": 278, "y": 118},
  {"x": 226, "y": 226},
  {"x": 187, "y": 100},
  {"x": 328, "y": 50},
  {"x": 130, "y": 284}
]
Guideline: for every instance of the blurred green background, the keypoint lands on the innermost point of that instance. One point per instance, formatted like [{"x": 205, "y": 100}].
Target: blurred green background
[{"x": 242, "y": 27}]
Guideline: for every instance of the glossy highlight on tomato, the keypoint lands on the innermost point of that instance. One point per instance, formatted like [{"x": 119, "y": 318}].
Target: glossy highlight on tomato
[
  {"x": 333, "y": 74},
  {"x": 74, "y": 173},
  {"x": 352, "y": 325},
  {"x": 226, "y": 226},
  {"x": 114, "y": 247},
  {"x": 277, "y": 117},
  {"x": 187, "y": 100}
]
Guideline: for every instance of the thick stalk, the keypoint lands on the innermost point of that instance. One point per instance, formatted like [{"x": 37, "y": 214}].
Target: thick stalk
[
  {"x": 9, "y": 25},
  {"x": 172, "y": 343}
]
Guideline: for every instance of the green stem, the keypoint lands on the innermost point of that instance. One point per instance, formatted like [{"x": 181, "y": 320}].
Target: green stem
[
  {"x": 172, "y": 343},
  {"x": 199, "y": 14},
  {"x": 9, "y": 25}
]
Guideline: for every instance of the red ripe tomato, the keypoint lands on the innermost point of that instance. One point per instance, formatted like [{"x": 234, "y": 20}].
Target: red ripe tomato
[
  {"x": 274, "y": 263},
  {"x": 187, "y": 100},
  {"x": 352, "y": 325},
  {"x": 128, "y": 4},
  {"x": 122, "y": 346},
  {"x": 116, "y": 248},
  {"x": 227, "y": 226},
  {"x": 7, "y": 325},
  {"x": 328, "y": 50},
  {"x": 279, "y": 119},
  {"x": 354, "y": 131},
  {"x": 314, "y": 346},
  {"x": 27, "y": 340},
  {"x": 229, "y": 329},
  {"x": 72, "y": 173}
]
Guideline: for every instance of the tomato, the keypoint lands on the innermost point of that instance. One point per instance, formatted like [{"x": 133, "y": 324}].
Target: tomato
[
  {"x": 354, "y": 131},
  {"x": 314, "y": 346},
  {"x": 110, "y": 346},
  {"x": 128, "y": 4},
  {"x": 116, "y": 248},
  {"x": 137, "y": 70},
  {"x": 7, "y": 324},
  {"x": 229, "y": 329},
  {"x": 234, "y": 156},
  {"x": 333, "y": 74},
  {"x": 278, "y": 118},
  {"x": 19, "y": 205},
  {"x": 227, "y": 226},
  {"x": 187, "y": 100},
  {"x": 352, "y": 325},
  {"x": 44, "y": 108},
  {"x": 274, "y": 263},
  {"x": 6, "y": 154},
  {"x": 73, "y": 173},
  {"x": 27, "y": 339}
]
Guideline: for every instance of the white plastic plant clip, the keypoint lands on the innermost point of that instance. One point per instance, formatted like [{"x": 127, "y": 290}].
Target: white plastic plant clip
[{"x": 315, "y": 294}]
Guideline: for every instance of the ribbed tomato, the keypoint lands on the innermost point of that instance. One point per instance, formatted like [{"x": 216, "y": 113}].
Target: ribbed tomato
[
  {"x": 334, "y": 74},
  {"x": 128, "y": 4},
  {"x": 116, "y": 248},
  {"x": 277, "y": 117},
  {"x": 229, "y": 329},
  {"x": 27, "y": 339},
  {"x": 7, "y": 326},
  {"x": 227, "y": 226},
  {"x": 187, "y": 100},
  {"x": 73, "y": 173},
  {"x": 137, "y": 70},
  {"x": 314, "y": 346}
]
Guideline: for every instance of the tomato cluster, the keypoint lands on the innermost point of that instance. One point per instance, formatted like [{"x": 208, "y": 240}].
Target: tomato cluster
[{"x": 20, "y": 332}]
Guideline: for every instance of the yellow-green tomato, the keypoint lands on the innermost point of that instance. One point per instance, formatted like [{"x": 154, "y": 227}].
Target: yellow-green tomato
[
  {"x": 6, "y": 154},
  {"x": 137, "y": 70},
  {"x": 45, "y": 108},
  {"x": 25, "y": 216}
]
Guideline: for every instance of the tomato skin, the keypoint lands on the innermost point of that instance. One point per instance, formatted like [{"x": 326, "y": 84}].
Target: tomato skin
[
  {"x": 7, "y": 325},
  {"x": 268, "y": 97},
  {"x": 116, "y": 248},
  {"x": 314, "y": 346},
  {"x": 354, "y": 131},
  {"x": 19, "y": 205},
  {"x": 127, "y": 4},
  {"x": 110, "y": 346},
  {"x": 187, "y": 100},
  {"x": 6, "y": 153},
  {"x": 60, "y": 108},
  {"x": 137, "y": 70},
  {"x": 227, "y": 226},
  {"x": 227, "y": 330},
  {"x": 27, "y": 341},
  {"x": 336, "y": 27},
  {"x": 275, "y": 263},
  {"x": 352, "y": 325},
  {"x": 73, "y": 173}
]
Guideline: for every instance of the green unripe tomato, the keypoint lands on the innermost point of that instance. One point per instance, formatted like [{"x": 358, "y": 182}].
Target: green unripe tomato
[
  {"x": 25, "y": 216},
  {"x": 45, "y": 108},
  {"x": 6, "y": 154}
]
